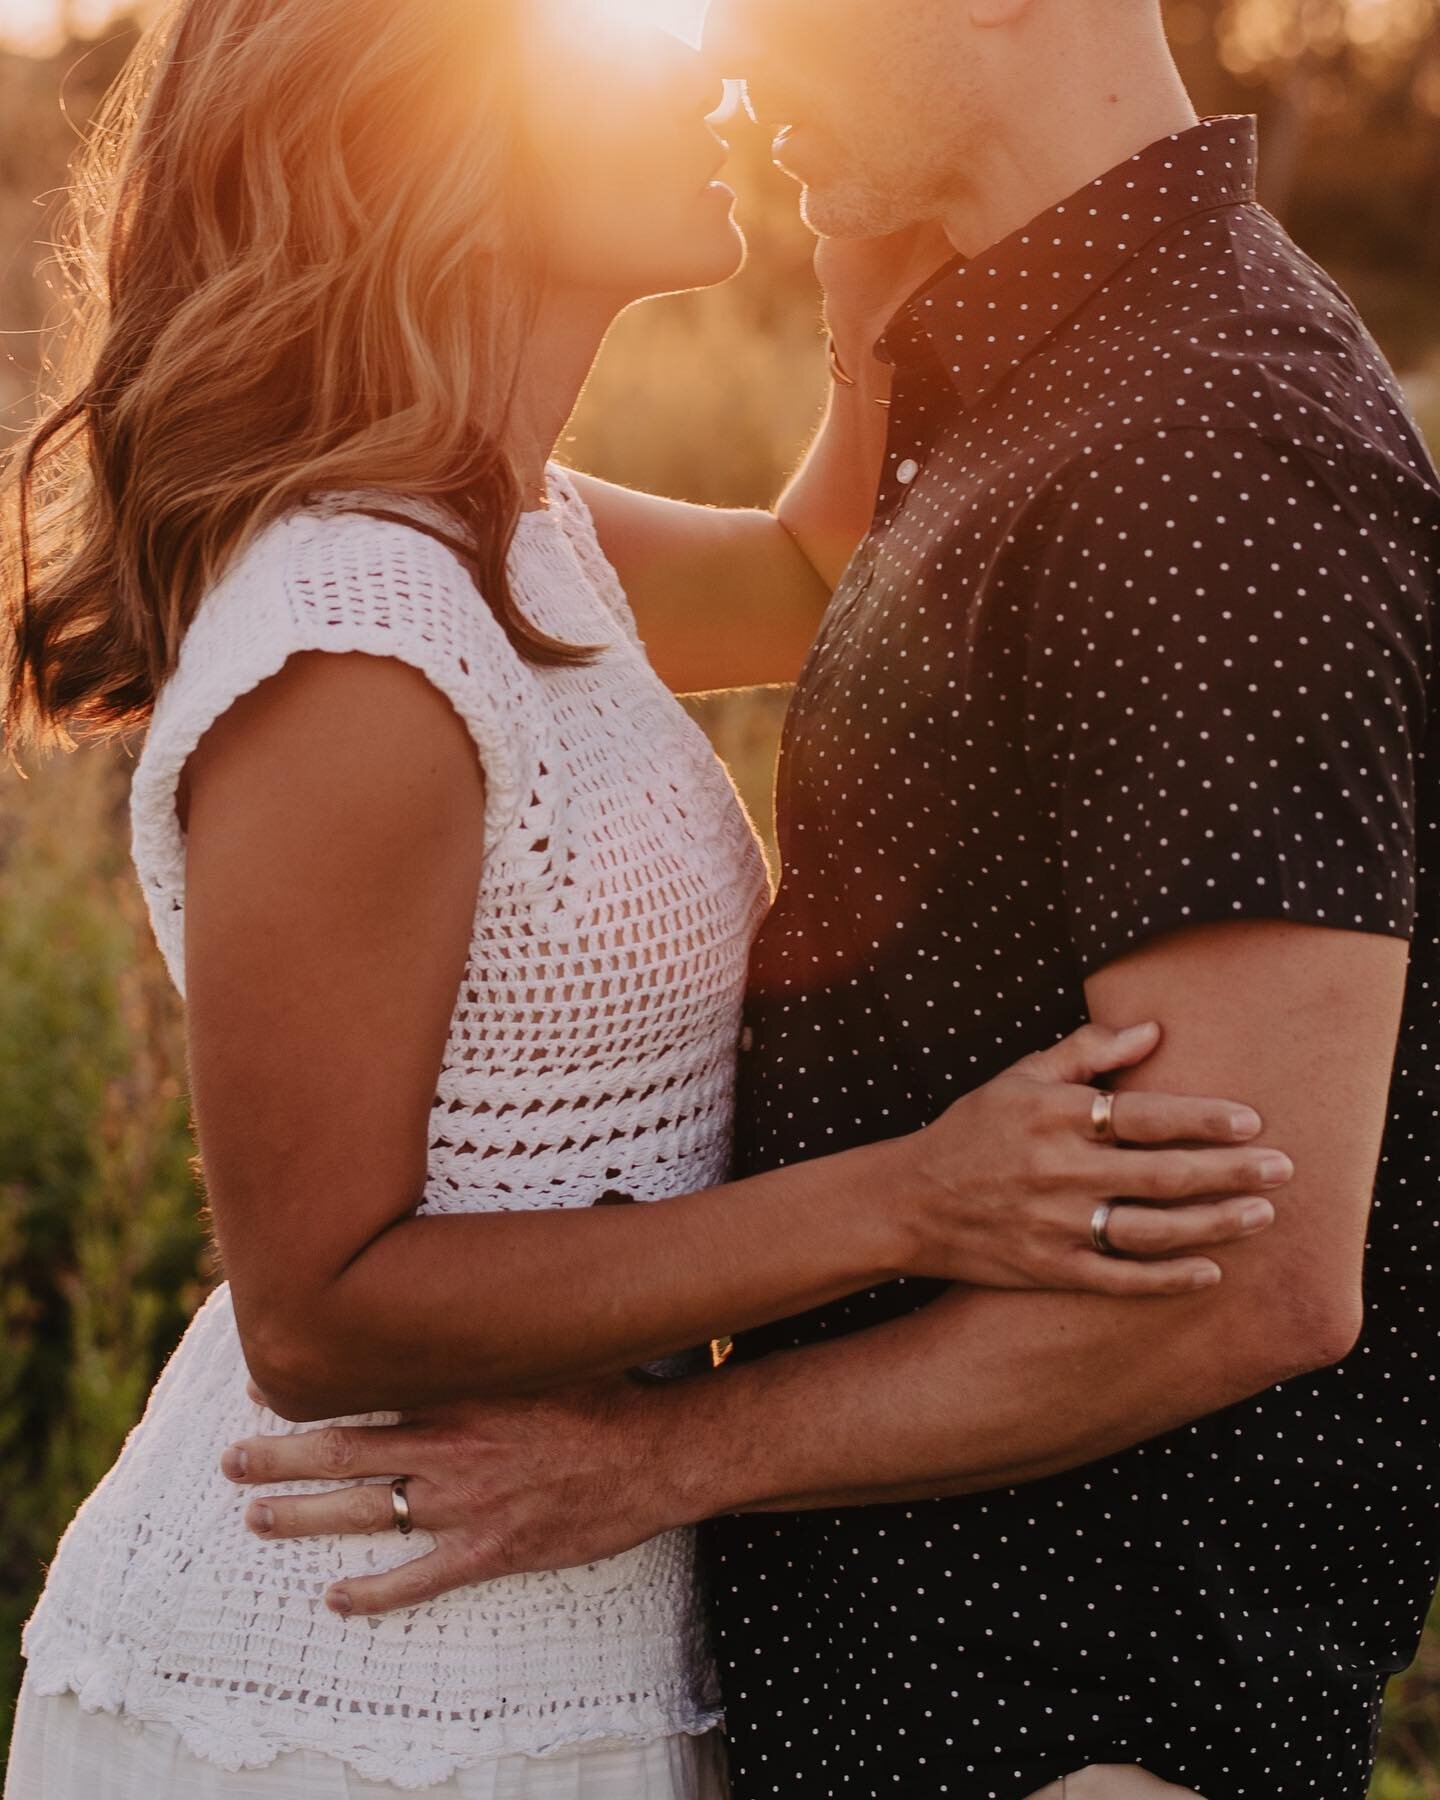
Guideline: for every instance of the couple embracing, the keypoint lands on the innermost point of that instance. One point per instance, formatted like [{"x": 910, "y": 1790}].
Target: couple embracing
[{"x": 1058, "y": 1147}]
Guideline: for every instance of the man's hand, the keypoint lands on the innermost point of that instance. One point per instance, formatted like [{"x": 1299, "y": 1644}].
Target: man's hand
[{"x": 504, "y": 1487}]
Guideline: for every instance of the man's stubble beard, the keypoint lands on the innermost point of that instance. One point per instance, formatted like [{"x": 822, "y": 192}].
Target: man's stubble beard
[
  {"x": 852, "y": 205},
  {"x": 898, "y": 146}
]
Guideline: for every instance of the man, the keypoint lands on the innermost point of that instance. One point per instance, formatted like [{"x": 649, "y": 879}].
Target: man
[{"x": 1122, "y": 710}]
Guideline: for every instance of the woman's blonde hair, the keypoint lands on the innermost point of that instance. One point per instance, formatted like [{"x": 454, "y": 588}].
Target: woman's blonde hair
[{"x": 299, "y": 262}]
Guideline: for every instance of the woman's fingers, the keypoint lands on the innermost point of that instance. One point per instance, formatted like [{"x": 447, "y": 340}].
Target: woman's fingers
[
  {"x": 1093, "y": 1050},
  {"x": 1175, "y": 1175},
  {"x": 1113, "y": 1275},
  {"x": 1172, "y": 1119},
  {"x": 364, "y": 1509},
  {"x": 1156, "y": 1248},
  {"x": 1171, "y": 1231}
]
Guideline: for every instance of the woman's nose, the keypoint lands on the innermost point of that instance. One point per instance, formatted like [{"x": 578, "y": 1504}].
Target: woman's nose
[
  {"x": 692, "y": 79},
  {"x": 732, "y": 35}
]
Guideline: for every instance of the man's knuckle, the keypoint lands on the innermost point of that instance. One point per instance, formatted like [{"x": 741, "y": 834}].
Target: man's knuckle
[{"x": 336, "y": 1450}]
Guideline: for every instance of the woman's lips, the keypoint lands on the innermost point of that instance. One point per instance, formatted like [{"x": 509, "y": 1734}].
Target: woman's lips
[{"x": 717, "y": 163}]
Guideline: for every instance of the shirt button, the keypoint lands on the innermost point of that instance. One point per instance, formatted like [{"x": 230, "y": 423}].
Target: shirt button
[
  {"x": 907, "y": 471},
  {"x": 747, "y": 1038}
]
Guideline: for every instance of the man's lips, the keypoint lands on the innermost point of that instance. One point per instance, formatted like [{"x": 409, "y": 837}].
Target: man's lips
[
  {"x": 788, "y": 140},
  {"x": 786, "y": 125}
]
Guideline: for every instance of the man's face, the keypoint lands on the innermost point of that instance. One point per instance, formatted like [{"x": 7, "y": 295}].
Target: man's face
[{"x": 885, "y": 99}]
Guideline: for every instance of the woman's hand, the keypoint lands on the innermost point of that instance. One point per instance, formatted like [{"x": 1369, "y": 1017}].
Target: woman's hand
[
  {"x": 1009, "y": 1179},
  {"x": 868, "y": 280}
]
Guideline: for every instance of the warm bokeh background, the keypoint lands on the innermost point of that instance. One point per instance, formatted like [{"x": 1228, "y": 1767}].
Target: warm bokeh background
[{"x": 102, "y": 1250}]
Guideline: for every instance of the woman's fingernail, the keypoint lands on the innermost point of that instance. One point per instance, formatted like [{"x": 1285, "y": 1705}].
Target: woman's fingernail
[
  {"x": 1133, "y": 1034},
  {"x": 338, "y": 1601},
  {"x": 234, "y": 1462},
  {"x": 1257, "y": 1215},
  {"x": 262, "y": 1517},
  {"x": 1275, "y": 1170},
  {"x": 1245, "y": 1122},
  {"x": 1204, "y": 1278}
]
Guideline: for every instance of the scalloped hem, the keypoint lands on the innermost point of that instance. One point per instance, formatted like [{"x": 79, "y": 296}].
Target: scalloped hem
[{"x": 234, "y": 1745}]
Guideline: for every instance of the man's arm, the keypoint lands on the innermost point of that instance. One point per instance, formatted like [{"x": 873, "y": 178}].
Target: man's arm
[
  {"x": 982, "y": 1389},
  {"x": 985, "y": 1389}
]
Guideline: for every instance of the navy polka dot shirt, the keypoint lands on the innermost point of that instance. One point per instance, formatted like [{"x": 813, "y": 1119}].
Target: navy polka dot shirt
[{"x": 1141, "y": 637}]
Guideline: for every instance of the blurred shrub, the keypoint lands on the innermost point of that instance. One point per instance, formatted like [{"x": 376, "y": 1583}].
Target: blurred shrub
[{"x": 101, "y": 1241}]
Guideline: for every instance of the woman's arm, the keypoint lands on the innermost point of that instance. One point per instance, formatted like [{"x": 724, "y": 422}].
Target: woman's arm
[
  {"x": 733, "y": 599},
  {"x": 728, "y": 598},
  {"x": 334, "y": 831},
  {"x": 723, "y": 599}
]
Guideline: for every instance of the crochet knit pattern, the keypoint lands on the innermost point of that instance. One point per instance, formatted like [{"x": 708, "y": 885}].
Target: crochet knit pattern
[{"x": 591, "y": 1048}]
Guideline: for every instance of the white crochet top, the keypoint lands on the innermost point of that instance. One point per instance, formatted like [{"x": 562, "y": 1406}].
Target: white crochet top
[{"x": 592, "y": 1047}]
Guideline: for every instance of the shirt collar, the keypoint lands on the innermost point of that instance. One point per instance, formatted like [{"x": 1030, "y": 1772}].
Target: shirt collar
[{"x": 982, "y": 316}]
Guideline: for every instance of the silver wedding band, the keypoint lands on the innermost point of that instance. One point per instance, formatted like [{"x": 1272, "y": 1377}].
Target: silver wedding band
[
  {"x": 400, "y": 1502},
  {"x": 1100, "y": 1229},
  {"x": 1102, "y": 1116}
]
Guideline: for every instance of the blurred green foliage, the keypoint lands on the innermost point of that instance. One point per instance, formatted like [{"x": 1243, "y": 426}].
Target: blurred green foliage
[{"x": 103, "y": 1249}]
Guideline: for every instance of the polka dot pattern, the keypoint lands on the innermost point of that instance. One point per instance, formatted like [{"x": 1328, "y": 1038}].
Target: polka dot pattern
[{"x": 1141, "y": 637}]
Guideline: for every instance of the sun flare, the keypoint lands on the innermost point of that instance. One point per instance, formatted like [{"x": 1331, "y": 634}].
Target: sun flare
[{"x": 683, "y": 18}]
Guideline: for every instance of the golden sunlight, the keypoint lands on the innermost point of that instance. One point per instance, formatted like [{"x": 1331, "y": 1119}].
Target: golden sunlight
[
  {"x": 684, "y": 18},
  {"x": 41, "y": 25}
]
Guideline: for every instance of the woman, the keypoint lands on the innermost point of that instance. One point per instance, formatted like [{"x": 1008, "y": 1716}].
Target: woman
[{"x": 458, "y": 898}]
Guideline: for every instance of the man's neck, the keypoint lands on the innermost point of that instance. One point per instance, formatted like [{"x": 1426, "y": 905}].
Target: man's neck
[{"x": 1061, "y": 136}]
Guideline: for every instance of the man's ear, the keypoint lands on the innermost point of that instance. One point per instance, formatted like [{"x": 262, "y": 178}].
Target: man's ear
[{"x": 985, "y": 14}]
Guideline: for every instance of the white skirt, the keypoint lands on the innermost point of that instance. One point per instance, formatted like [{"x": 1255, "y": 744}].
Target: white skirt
[{"x": 61, "y": 1752}]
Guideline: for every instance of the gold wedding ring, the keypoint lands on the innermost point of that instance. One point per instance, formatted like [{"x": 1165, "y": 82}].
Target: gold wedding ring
[
  {"x": 400, "y": 1502},
  {"x": 1102, "y": 1116}
]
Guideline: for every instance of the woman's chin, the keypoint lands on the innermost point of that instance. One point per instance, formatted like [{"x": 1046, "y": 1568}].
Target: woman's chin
[
  {"x": 714, "y": 252},
  {"x": 704, "y": 252}
]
